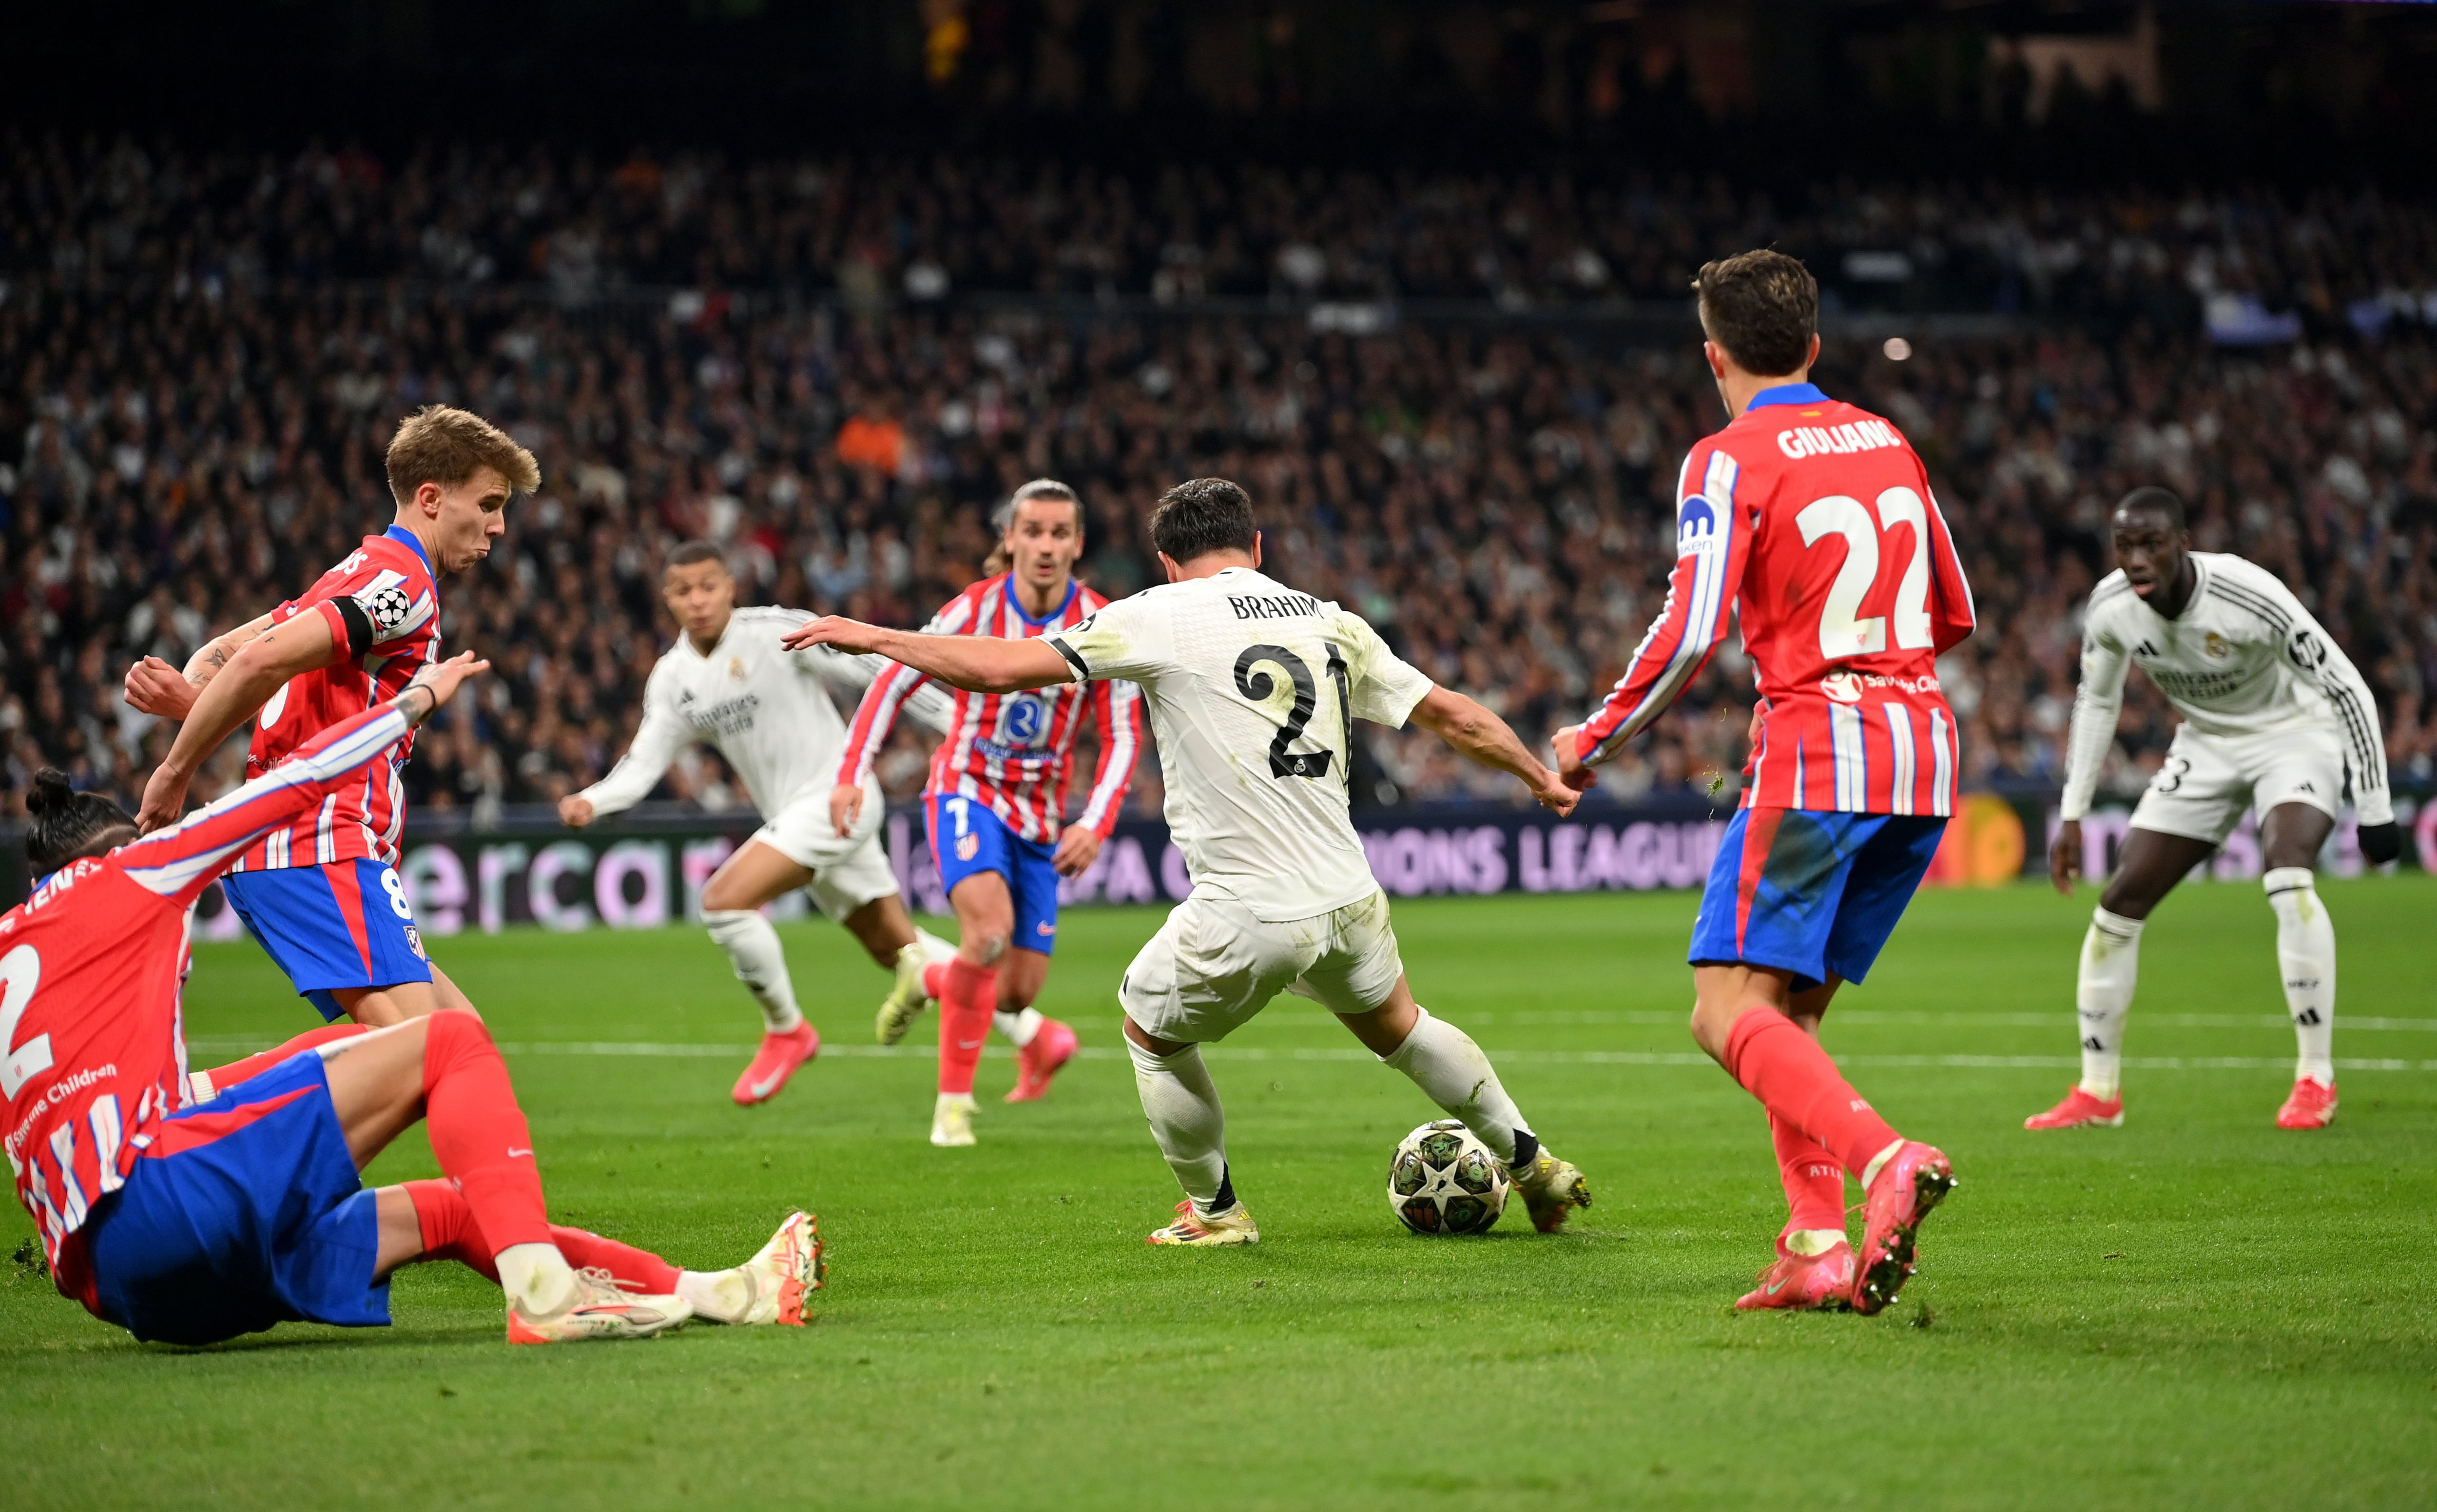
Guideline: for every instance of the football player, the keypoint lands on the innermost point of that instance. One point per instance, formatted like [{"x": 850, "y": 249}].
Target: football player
[
  {"x": 195, "y": 1210},
  {"x": 995, "y": 806},
  {"x": 1813, "y": 521},
  {"x": 2273, "y": 715},
  {"x": 1253, "y": 692},
  {"x": 322, "y": 894},
  {"x": 727, "y": 683}
]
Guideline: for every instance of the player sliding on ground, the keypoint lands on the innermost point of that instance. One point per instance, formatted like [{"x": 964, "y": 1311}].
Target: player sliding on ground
[
  {"x": 192, "y": 1221},
  {"x": 1814, "y": 521},
  {"x": 995, "y": 809},
  {"x": 2273, "y": 714},
  {"x": 726, "y": 682},
  {"x": 323, "y": 895},
  {"x": 1254, "y": 688}
]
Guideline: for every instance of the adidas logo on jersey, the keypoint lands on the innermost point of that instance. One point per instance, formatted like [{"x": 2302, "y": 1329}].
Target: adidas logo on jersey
[{"x": 2144, "y": 650}]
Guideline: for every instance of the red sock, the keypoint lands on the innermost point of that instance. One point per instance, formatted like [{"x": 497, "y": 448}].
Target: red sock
[
  {"x": 1793, "y": 1079},
  {"x": 965, "y": 1022},
  {"x": 935, "y": 980},
  {"x": 226, "y": 1076},
  {"x": 1815, "y": 1184},
  {"x": 478, "y": 1133},
  {"x": 449, "y": 1233}
]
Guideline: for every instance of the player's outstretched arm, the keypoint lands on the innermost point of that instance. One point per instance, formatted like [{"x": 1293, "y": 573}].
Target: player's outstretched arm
[
  {"x": 235, "y": 694},
  {"x": 978, "y": 663},
  {"x": 1480, "y": 735},
  {"x": 180, "y": 861}
]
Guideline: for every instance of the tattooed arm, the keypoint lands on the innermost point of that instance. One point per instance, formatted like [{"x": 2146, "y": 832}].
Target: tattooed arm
[{"x": 156, "y": 688}]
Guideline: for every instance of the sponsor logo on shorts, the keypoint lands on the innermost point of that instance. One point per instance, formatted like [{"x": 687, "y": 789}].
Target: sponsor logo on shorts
[
  {"x": 1046, "y": 927},
  {"x": 968, "y": 847}
]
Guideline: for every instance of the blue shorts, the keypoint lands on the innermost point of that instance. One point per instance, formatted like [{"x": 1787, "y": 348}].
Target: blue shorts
[
  {"x": 343, "y": 924},
  {"x": 1809, "y": 892},
  {"x": 966, "y": 837},
  {"x": 241, "y": 1212}
]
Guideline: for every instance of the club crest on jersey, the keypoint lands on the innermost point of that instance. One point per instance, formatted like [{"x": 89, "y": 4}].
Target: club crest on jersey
[
  {"x": 968, "y": 847},
  {"x": 1843, "y": 687},
  {"x": 736, "y": 669},
  {"x": 2215, "y": 645}
]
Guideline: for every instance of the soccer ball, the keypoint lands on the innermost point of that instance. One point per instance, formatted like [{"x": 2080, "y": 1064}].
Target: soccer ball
[{"x": 1443, "y": 1181}]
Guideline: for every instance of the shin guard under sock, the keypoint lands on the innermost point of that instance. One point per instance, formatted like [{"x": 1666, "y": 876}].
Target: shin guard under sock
[
  {"x": 478, "y": 1133},
  {"x": 965, "y": 1023},
  {"x": 2305, "y": 949},
  {"x": 1794, "y": 1080}
]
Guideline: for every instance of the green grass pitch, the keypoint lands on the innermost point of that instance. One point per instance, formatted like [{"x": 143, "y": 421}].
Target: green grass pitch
[{"x": 2194, "y": 1310}]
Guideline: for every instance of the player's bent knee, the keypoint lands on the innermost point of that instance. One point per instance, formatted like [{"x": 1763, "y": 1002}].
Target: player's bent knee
[{"x": 986, "y": 950}]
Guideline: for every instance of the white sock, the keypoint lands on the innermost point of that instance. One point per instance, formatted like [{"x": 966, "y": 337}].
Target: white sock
[
  {"x": 719, "y": 1295},
  {"x": 2305, "y": 950},
  {"x": 1183, "y": 1108},
  {"x": 1453, "y": 1073},
  {"x": 535, "y": 1277},
  {"x": 935, "y": 951},
  {"x": 1879, "y": 1161},
  {"x": 2111, "y": 965},
  {"x": 753, "y": 949},
  {"x": 1019, "y": 1027}
]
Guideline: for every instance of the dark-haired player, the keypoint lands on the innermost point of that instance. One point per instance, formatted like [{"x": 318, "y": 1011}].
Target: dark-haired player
[
  {"x": 2273, "y": 712},
  {"x": 727, "y": 682},
  {"x": 192, "y": 1221},
  {"x": 1813, "y": 521},
  {"x": 1254, "y": 690},
  {"x": 995, "y": 807},
  {"x": 323, "y": 895}
]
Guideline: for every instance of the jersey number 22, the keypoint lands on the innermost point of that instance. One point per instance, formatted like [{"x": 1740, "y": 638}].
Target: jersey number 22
[{"x": 1842, "y": 630}]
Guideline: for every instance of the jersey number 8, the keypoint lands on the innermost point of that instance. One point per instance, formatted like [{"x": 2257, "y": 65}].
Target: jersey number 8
[{"x": 1843, "y": 631}]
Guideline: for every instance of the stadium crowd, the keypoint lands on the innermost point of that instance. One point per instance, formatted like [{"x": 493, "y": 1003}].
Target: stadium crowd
[{"x": 203, "y": 360}]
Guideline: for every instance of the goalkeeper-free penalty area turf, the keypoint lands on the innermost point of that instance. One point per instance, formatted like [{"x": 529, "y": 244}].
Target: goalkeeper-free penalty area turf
[{"x": 2196, "y": 1310}]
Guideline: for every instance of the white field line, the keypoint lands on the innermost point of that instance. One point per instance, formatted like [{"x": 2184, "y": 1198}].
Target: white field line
[{"x": 203, "y": 1050}]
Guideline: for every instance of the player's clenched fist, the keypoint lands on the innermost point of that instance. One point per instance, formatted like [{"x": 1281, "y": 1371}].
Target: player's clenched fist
[
  {"x": 154, "y": 687},
  {"x": 846, "y": 806},
  {"x": 576, "y": 811}
]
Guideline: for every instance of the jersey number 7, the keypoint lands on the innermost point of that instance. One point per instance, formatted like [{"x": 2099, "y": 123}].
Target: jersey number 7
[
  {"x": 1843, "y": 631},
  {"x": 1260, "y": 688}
]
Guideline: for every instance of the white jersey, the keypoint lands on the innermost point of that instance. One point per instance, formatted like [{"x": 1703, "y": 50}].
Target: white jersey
[
  {"x": 2244, "y": 658},
  {"x": 768, "y": 710},
  {"x": 1254, "y": 689}
]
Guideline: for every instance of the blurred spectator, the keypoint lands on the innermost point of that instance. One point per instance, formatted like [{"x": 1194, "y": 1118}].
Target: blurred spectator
[{"x": 201, "y": 361}]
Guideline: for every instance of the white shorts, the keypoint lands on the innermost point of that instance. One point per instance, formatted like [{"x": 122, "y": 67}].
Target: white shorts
[
  {"x": 1213, "y": 966},
  {"x": 2209, "y": 780},
  {"x": 847, "y": 872}
]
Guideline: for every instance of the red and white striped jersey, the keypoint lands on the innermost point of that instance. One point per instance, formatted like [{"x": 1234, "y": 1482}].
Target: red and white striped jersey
[
  {"x": 1814, "y": 520},
  {"x": 390, "y": 578},
  {"x": 92, "y": 1050},
  {"x": 1013, "y": 751}
]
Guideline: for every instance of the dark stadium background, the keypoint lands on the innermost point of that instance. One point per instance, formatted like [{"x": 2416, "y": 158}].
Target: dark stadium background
[{"x": 824, "y": 280}]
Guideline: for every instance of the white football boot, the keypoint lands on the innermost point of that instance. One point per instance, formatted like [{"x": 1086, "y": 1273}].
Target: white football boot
[
  {"x": 1551, "y": 1189},
  {"x": 598, "y": 1310},
  {"x": 774, "y": 1286},
  {"x": 1194, "y": 1227},
  {"x": 951, "y": 1120},
  {"x": 906, "y": 1000}
]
